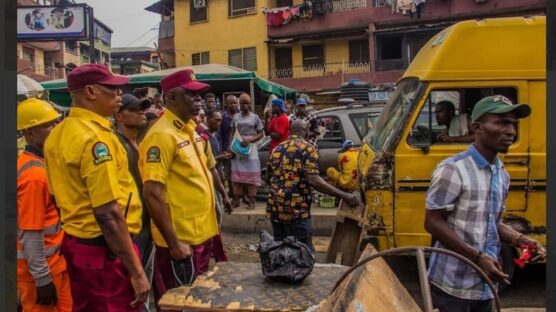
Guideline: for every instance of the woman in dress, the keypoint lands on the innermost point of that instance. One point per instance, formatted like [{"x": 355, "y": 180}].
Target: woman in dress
[{"x": 246, "y": 170}]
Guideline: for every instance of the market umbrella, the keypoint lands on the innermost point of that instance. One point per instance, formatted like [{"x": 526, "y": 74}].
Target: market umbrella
[{"x": 27, "y": 87}]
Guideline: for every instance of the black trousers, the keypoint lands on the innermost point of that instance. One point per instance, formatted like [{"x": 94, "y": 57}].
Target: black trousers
[
  {"x": 445, "y": 302},
  {"x": 302, "y": 230}
]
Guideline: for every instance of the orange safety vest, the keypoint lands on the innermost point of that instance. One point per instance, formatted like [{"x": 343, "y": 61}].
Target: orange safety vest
[{"x": 36, "y": 211}]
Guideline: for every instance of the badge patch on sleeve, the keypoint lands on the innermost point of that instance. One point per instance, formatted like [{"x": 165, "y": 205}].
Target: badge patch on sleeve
[
  {"x": 153, "y": 154},
  {"x": 101, "y": 153}
]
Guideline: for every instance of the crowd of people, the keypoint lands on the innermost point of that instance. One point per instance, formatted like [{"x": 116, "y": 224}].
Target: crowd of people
[
  {"x": 126, "y": 194},
  {"x": 108, "y": 211}
]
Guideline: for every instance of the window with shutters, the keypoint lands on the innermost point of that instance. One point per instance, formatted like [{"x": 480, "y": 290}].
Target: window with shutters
[
  {"x": 29, "y": 55},
  {"x": 200, "y": 58},
  {"x": 197, "y": 11},
  {"x": 243, "y": 58},
  {"x": 72, "y": 46},
  {"x": 235, "y": 59},
  {"x": 250, "y": 59},
  {"x": 313, "y": 57},
  {"x": 359, "y": 51},
  {"x": 241, "y": 7}
]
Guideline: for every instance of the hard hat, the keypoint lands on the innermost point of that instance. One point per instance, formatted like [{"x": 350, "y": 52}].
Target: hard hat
[{"x": 33, "y": 112}]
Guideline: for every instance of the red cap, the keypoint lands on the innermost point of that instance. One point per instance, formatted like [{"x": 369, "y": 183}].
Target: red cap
[
  {"x": 90, "y": 74},
  {"x": 185, "y": 79}
]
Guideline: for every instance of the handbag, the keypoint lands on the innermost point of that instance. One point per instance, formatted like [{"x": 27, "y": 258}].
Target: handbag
[{"x": 238, "y": 149}]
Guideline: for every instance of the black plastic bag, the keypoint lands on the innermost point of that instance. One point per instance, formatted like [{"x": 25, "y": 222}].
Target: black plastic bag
[{"x": 289, "y": 260}]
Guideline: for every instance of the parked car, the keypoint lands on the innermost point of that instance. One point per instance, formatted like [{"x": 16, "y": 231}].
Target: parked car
[{"x": 337, "y": 124}]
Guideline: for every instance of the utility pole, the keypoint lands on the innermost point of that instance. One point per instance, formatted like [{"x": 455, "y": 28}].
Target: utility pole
[{"x": 91, "y": 20}]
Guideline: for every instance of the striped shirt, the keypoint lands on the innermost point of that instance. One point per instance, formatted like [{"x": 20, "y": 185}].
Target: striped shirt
[{"x": 473, "y": 192}]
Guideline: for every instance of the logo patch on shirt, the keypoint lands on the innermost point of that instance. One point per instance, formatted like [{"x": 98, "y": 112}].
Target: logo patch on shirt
[
  {"x": 153, "y": 154},
  {"x": 199, "y": 139},
  {"x": 178, "y": 124},
  {"x": 101, "y": 153},
  {"x": 183, "y": 144}
]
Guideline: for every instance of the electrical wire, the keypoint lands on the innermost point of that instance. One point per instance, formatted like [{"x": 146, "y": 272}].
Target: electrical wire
[{"x": 143, "y": 35}]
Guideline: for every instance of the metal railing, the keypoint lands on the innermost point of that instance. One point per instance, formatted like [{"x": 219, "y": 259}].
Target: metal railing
[
  {"x": 330, "y": 6},
  {"x": 348, "y": 5},
  {"x": 320, "y": 70}
]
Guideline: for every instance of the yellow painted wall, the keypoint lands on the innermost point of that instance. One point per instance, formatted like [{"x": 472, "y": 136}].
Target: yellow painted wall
[
  {"x": 220, "y": 34},
  {"x": 297, "y": 55},
  {"x": 39, "y": 61},
  {"x": 336, "y": 51},
  {"x": 70, "y": 57},
  {"x": 336, "y": 58}
]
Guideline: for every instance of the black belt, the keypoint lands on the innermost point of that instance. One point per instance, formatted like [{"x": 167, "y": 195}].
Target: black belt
[{"x": 97, "y": 241}]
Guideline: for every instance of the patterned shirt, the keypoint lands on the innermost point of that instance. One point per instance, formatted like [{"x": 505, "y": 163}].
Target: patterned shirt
[
  {"x": 290, "y": 164},
  {"x": 473, "y": 192}
]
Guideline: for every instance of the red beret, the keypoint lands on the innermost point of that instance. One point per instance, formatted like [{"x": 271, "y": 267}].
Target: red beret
[
  {"x": 90, "y": 74},
  {"x": 185, "y": 79}
]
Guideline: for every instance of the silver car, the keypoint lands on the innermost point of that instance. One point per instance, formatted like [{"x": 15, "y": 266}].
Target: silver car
[{"x": 337, "y": 124}]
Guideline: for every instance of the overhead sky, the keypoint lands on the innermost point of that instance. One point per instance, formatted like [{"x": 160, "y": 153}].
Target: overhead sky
[{"x": 132, "y": 25}]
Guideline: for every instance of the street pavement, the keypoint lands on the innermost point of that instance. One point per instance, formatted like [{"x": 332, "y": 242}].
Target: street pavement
[{"x": 527, "y": 292}]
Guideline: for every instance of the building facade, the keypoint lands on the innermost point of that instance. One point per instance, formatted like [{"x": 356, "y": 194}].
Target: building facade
[
  {"x": 371, "y": 40},
  {"x": 134, "y": 60},
  {"x": 48, "y": 60},
  {"x": 313, "y": 46},
  {"x": 200, "y": 32}
]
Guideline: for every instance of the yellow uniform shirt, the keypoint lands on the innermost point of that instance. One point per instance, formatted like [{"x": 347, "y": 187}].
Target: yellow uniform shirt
[
  {"x": 172, "y": 153},
  {"x": 346, "y": 175},
  {"x": 87, "y": 167}
]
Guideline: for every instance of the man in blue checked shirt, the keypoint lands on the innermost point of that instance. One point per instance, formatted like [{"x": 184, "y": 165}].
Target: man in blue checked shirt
[{"x": 464, "y": 207}]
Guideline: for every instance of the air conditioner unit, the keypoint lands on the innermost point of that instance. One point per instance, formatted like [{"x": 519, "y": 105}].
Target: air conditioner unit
[{"x": 199, "y": 4}]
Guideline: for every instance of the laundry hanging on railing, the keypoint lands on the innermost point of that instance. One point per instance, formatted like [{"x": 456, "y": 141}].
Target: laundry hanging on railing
[
  {"x": 410, "y": 7},
  {"x": 278, "y": 17}
]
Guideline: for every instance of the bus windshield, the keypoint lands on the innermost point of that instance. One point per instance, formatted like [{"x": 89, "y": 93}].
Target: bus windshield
[{"x": 392, "y": 117}]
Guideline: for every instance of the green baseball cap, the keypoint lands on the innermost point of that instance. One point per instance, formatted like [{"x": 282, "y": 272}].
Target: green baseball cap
[{"x": 499, "y": 104}]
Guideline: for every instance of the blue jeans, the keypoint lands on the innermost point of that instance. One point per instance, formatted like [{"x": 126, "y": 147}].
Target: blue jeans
[{"x": 302, "y": 230}]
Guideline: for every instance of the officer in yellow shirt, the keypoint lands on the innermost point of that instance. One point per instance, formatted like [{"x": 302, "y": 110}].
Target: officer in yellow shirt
[
  {"x": 177, "y": 183},
  {"x": 99, "y": 203},
  {"x": 345, "y": 177}
]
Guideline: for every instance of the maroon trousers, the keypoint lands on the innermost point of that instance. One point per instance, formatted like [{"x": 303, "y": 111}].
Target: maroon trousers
[
  {"x": 163, "y": 278},
  {"x": 98, "y": 283}
]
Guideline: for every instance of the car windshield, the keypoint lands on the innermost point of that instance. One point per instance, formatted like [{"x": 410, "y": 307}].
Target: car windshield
[
  {"x": 395, "y": 112},
  {"x": 363, "y": 122}
]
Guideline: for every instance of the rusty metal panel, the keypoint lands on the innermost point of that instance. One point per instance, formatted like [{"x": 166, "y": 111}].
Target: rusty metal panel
[{"x": 231, "y": 286}]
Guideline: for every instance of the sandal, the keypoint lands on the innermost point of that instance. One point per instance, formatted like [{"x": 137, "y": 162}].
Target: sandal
[{"x": 251, "y": 206}]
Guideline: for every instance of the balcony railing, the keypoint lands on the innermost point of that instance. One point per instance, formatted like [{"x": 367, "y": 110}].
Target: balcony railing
[
  {"x": 320, "y": 70},
  {"x": 329, "y": 6}
]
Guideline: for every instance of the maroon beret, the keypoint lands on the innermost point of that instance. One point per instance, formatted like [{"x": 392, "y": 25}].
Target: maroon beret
[
  {"x": 185, "y": 79},
  {"x": 90, "y": 74}
]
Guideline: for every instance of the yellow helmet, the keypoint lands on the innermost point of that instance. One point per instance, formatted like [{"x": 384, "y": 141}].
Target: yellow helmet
[{"x": 33, "y": 112}]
